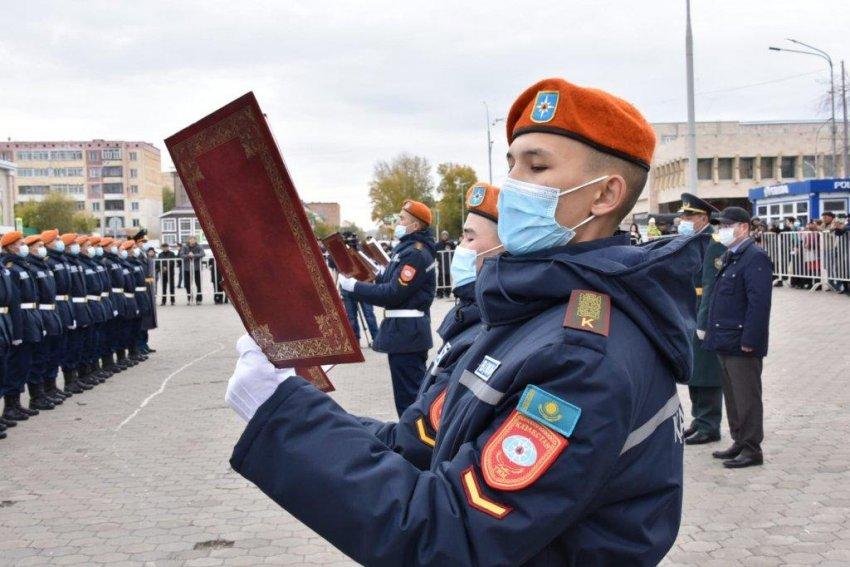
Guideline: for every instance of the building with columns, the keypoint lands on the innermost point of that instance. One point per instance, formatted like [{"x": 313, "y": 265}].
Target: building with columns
[{"x": 734, "y": 157}]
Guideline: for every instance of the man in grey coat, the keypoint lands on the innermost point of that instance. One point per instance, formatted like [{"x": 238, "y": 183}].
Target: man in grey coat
[{"x": 191, "y": 253}]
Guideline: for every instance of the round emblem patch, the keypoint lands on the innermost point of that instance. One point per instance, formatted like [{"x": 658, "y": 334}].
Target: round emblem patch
[
  {"x": 520, "y": 450},
  {"x": 477, "y": 196}
]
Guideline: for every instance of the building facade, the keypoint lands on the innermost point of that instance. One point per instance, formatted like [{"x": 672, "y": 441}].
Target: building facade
[
  {"x": 181, "y": 222},
  {"x": 7, "y": 193},
  {"x": 119, "y": 183},
  {"x": 734, "y": 157}
]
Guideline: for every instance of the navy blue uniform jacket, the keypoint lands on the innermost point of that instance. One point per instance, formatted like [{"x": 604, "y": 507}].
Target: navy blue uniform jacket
[
  {"x": 739, "y": 314},
  {"x": 50, "y": 318},
  {"x": 8, "y": 300},
  {"x": 612, "y": 497},
  {"x": 94, "y": 288},
  {"x": 415, "y": 433},
  {"x": 395, "y": 290},
  {"x": 27, "y": 322},
  {"x": 79, "y": 303},
  {"x": 62, "y": 278}
]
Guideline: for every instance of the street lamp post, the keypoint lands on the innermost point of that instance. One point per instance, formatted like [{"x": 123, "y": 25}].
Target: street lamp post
[
  {"x": 844, "y": 112},
  {"x": 489, "y": 143},
  {"x": 823, "y": 55}
]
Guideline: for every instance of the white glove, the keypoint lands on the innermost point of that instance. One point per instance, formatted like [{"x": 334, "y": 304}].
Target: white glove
[
  {"x": 701, "y": 334},
  {"x": 254, "y": 379},
  {"x": 346, "y": 283},
  {"x": 16, "y": 343}
]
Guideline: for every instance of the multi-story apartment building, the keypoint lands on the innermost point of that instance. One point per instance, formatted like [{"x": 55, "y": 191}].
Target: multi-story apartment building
[
  {"x": 118, "y": 182},
  {"x": 734, "y": 157},
  {"x": 7, "y": 191}
]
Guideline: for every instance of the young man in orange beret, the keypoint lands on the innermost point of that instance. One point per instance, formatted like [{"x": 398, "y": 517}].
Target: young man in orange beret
[
  {"x": 406, "y": 290},
  {"x": 73, "y": 367},
  {"x": 560, "y": 439},
  {"x": 60, "y": 269},
  {"x": 8, "y": 304}
]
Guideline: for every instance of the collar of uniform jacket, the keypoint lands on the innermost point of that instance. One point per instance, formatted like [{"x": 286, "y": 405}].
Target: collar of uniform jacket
[
  {"x": 652, "y": 284},
  {"x": 463, "y": 315}
]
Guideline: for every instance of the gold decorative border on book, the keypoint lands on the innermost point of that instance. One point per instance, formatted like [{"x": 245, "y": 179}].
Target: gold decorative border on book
[{"x": 244, "y": 125}]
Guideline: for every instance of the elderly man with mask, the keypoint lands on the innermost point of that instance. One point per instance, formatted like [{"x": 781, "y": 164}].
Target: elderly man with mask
[
  {"x": 415, "y": 434},
  {"x": 560, "y": 438}
]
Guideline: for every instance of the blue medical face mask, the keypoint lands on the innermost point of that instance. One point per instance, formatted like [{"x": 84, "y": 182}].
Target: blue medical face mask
[
  {"x": 60, "y": 246},
  {"x": 464, "y": 268},
  {"x": 527, "y": 216},
  {"x": 42, "y": 252},
  {"x": 74, "y": 249},
  {"x": 99, "y": 251},
  {"x": 686, "y": 228},
  {"x": 23, "y": 250},
  {"x": 400, "y": 230},
  {"x": 123, "y": 254}
]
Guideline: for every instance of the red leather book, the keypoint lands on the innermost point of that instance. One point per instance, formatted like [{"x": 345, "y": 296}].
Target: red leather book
[
  {"x": 242, "y": 193},
  {"x": 317, "y": 376},
  {"x": 375, "y": 252},
  {"x": 346, "y": 260}
]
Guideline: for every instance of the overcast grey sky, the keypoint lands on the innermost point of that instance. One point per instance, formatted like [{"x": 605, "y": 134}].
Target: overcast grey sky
[{"x": 347, "y": 83}]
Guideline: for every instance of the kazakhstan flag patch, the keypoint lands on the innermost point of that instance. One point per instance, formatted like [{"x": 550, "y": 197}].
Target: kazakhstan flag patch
[{"x": 549, "y": 410}]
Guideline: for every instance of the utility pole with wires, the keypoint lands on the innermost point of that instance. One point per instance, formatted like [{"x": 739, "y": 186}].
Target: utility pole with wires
[
  {"x": 692, "y": 127},
  {"x": 844, "y": 111}
]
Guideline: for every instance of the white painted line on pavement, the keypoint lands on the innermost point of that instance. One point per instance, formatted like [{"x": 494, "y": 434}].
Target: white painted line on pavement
[{"x": 164, "y": 384}]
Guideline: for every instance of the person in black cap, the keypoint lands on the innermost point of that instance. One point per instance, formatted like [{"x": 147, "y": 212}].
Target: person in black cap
[
  {"x": 738, "y": 321},
  {"x": 704, "y": 386}
]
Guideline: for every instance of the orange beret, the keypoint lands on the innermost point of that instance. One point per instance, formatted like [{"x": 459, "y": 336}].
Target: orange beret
[
  {"x": 590, "y": 116},
  {"x": 11, "y": 237},
  {"x": 418, "y": 210},
  {"x": 30, "y": 240},
  {"x": 106, "y": 241},
  {"x": 49, "y": 236},
  {"x": 68, "y": 238},
  {"x": 81, "y": 239},
  {"x": 481, "y": 199},
  {"x": 127, "y": 244},
  {"x": 94, "y": 240}
]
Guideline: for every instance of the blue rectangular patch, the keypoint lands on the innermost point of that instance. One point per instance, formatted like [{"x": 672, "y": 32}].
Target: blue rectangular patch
[{"x": 549, "y": 410}]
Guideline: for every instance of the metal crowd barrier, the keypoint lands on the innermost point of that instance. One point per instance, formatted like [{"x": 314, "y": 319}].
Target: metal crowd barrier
[
  {"x": 818, "y": 260},
  {"x": 177, "y": 279},
  {"x": 444, "y": 275}
]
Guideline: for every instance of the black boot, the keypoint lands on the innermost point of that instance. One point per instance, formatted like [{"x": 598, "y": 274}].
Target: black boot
[
  {"x": 100, "y": 372},
  {"x": 38, "y": 401},
  {"x": 84, "y": 376},
  {"x": 29, "y": 411},
  {"x": 107, "y": 365},
  {"x": 53, "y": 391},
  {"x": 121, "y": 359},
  {"x": 72, "y": 384},
  {"x": 2, "y": 431},
  {"x": 8, "y": 422},
  {"x": 10, "y": 409}
]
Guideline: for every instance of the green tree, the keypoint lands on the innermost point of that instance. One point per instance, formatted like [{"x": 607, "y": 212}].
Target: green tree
[
  {"x": 55, "y": 211},
  {"x": 322, "y": 229},
  {"x": 83, "y": 223},
  {"x": 168, "y": 199},
  {"x": 404, "y": 177},
  {"x": 455, "y": 180},
  {"x": 27, "y": 211}
]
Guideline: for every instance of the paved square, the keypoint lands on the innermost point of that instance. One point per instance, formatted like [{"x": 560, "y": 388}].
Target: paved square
[{"x": 135, "y": 472}]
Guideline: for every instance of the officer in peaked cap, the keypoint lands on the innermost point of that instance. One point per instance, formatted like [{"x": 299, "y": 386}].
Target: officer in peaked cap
[{"x": 705, "y": 386}]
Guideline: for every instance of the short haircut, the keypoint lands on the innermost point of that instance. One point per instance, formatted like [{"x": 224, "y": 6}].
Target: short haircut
[{"x": 599, "y": 163}]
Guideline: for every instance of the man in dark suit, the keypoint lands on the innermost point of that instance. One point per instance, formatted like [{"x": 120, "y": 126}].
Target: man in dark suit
[{"x": 738, "y": 321}]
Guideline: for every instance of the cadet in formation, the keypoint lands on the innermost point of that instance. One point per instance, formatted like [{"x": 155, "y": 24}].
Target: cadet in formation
[
  {"x": 65, "y": 302},
  {"x": 704, "y": 387},
  {"x": 560, "y": 436},
  {"x": 406, "y": 288},
  {"x": 415, "y": 434}
]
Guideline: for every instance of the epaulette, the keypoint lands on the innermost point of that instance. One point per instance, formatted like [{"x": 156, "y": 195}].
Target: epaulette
[
  {"x": 419, "y": 246},
  {"x": 8, "y": 264},
  {"x": 589, "y": 311}
]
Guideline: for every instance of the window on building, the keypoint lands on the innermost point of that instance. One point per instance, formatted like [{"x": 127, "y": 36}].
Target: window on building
[
  {"x": 5, "y": 155},
  {"x": 787, "y": 208},
  {"x": 704, "y": 169},
  {"x": 724, "y": 168},
  {"x": 134, "y": 205},
  {"x": 762, "y": 211},
  {"x": 69, "y": 188},
  {"x": 186, "y": 225},
  {"x": 112, "y": 171},
  {"x": 94, "y": 172},
  {"x": 746, "y": 167},
  {"x": 134, "y": 156},
  {"x": 833, "y": 206},
  {"x": 134, "y": 173},
  {"x": 803, "y": 207},
  {"x": 766, "y": 169},
  {"x": 112, "y": 153},
  {"x": 168, "y": 225},
  {"x": 95, "y": 206},
  {"x": 169, "y": 238},
  {"x": 33, "y": 189},
  {"x": 97, "y": 223},
  {"x": 95, "y": 189},
  {"x": 113, "y": 188},
  {"x": 828, "y": 166},
  {"x": 134, "y": 189},
  {"x": 34, "y": 155},
  {"x": 66, "y": 155},
  {"x": 786, "y": 166},
  {"x": 136, "y": 222},
  {"x": 80, "y": 205},
  {"x": 93, "y": 155},
  {"x": 114, "y": 205},
  {"x": 810, "y": 166}
]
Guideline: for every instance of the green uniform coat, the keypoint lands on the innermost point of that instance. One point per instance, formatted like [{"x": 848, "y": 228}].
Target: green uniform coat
[{"x": 706, "y": 366}]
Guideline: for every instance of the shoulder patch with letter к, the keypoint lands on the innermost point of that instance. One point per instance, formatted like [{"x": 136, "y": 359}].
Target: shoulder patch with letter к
[
  {"x": 519, "y": 452},
  {"x": 408, "y": 272},
  {"x": 549, "y": 410},
  {"x": 589, "y": 311}
]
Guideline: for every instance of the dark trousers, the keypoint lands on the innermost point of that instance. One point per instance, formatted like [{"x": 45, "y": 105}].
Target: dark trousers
[
  {"x": 20, "y": 361},
  {"x": 132, "y": 334},
  {"x": 742, "y": 391},
  {"x": 368, "y": 314},
  {"x": 39, "y": 361},
  {"x": 407, "y": 371},
  {"x": 188, "y": 281},
  {"x": 706, "y": 408},
  {"x": 56, "y": 347},
  {"x": 73, "y": 347},
  {"x": 90, "y": 352},
  {"x": 167, "y": 275},
  {"x": 5, "y": 380}
]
